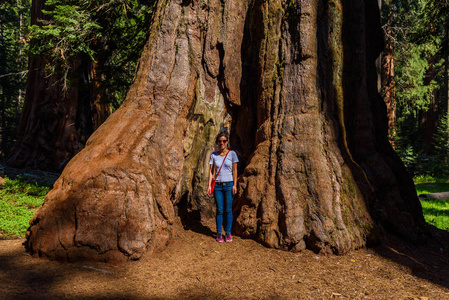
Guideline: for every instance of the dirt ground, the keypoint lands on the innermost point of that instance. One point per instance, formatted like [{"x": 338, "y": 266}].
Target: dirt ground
[{"x": 194, "y": 266}]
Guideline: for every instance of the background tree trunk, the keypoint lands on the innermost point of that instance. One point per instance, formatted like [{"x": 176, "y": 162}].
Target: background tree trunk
[
  {"x": 54, "y": 124},
  {"x": 446, "y": 66},
  {"x": 3, "y": 94},
  {"x": 429, "y": 117},
  {"x": 388, "y": 82},
  {"x": 21, "y": 41},
  {"x": 294, "y": 82}
]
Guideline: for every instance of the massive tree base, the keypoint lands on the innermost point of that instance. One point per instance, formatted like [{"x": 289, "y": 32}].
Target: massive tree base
[{"x": 295, "y": 84}]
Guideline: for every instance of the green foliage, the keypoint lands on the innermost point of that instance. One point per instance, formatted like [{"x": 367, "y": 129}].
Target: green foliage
[
  {"x": 122, "y": 44},
  {"x": 417, "y": 29},
  {"x": 110, "y": 34},
  {"x": 13, "y": 65},
  {"x": 434, "y": 24},
  {"x": 442, "y": 140},
  {"x": 74, "y": 37},
  {"x": 415, "y": 89},
  {"x": 19, "y": 200},
  {"x": 409, "y": 157},
  {"x": 66, "y": 35},
  {"x": 417, "y": 159}
]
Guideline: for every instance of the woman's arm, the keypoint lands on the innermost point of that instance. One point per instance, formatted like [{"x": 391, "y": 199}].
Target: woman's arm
[
  {"x": 211, "y": 176},
  {"x": 234, "y": 175}
]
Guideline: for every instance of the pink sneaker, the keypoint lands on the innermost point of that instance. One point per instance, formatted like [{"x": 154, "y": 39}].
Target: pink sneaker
[
  {"x": 219, "y": 238},
  {"x": 228, "y": 237}
]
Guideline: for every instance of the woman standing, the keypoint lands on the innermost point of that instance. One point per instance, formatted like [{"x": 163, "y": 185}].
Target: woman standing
[{"x": 225, "y": 184}]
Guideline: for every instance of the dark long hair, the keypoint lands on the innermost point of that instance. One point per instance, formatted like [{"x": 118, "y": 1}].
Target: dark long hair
[{"x": 221, "y": 134}]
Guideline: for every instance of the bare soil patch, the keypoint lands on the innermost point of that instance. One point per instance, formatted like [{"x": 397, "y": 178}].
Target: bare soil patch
[{"x": 194, "y": 266}]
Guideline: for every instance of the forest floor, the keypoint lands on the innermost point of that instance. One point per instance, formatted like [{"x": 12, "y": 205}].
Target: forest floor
[{"x": 194, "y": 266}]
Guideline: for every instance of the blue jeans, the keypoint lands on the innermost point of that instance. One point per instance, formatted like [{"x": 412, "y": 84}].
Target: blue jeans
[{"x": 223, "y": 199}]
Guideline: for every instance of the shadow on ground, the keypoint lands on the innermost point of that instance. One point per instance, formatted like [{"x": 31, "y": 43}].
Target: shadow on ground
[
  {"x": 194, "y": 266},
  {"x": 23, "y": 277},
  {"x": 429, "y": 261}
]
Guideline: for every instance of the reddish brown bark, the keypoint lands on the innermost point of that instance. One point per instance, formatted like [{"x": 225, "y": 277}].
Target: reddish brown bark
[
  {"x": 296, "y": 85},
  {"x": 388, "y": 82},
  {"x": 100, "y": 111}
]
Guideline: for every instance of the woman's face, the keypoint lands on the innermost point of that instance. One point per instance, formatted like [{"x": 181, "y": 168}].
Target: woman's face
[{"x": 222, "y": 143}]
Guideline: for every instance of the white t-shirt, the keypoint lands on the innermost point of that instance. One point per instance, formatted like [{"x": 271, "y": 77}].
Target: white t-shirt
[{"x": 226, "y": 171}]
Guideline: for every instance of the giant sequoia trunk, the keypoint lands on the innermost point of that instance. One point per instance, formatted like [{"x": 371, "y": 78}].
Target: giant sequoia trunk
[
  {"x": 55, "y": 124},
  {"x": 295, "y": 84}
]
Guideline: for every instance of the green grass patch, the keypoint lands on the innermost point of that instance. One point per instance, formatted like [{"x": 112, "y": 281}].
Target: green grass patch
[
  {"x": 436, "y": 212},
  {"x": 428, "y": 184},
  {"x": 19, "y": 201}
]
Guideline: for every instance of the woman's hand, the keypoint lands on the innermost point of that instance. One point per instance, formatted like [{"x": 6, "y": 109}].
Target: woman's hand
[
  {"x": 234, "y": 189},
  {"x": 208, "y": 190}
]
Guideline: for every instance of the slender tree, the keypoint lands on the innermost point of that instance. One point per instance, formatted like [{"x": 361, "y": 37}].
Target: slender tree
[{"x": 12, "y": 68}]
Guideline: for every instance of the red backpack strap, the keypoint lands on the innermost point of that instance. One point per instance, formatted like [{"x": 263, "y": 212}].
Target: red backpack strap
[{"x": 216, "y": 175}]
